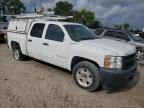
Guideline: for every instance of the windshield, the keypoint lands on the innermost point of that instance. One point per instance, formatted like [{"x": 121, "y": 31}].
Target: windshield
[
  {"x": 136, "y": 38},
  {"x": 79, "y": 32}
]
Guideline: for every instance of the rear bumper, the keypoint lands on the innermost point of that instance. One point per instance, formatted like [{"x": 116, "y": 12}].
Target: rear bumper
[{"x": 116, "y": 78}]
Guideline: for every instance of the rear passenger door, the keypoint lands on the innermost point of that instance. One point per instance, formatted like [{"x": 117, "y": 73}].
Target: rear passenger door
[
  {"x": 55, "y": 46},
  {"x": 34, "y": 40}
]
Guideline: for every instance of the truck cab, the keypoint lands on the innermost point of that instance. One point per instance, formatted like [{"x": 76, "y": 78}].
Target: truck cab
[{"x": 93, "y": 61}]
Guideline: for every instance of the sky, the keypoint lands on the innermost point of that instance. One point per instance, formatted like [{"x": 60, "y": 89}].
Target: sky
[{"x": 110, "y": 12}]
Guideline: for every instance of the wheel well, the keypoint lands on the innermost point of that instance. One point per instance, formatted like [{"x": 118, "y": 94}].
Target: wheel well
[
  {"x": 77, "y": 59},
  {"x": 14, "y": 44}
]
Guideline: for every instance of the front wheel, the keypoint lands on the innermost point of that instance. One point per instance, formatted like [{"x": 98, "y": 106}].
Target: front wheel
[{"x": 86, "y": 76}]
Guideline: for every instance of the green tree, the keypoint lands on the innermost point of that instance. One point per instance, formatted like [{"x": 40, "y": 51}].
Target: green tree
[
  {"x": 3, "y": 6},
  {"x": 63, "y": 8},
  {"x": 87, "y": 17},
  {"x": 76, "y": 16},
  {"x": 96, "y": 24},
  {"x": 126, "y": 26},
  {"x": 13, "y": 7},
  {"x": 84, "y": 16},
  {"x": 119, "y": 27}
]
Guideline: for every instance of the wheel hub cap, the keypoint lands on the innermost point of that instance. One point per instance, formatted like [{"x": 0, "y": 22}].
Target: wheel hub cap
[
  {"x": 140, "y": 55},
  {"x": 16, "y": 54},
  {"x": 84, "y": 77}
]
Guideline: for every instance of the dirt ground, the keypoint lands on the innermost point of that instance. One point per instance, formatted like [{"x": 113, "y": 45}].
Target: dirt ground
[{"x": 33, "y": 84}]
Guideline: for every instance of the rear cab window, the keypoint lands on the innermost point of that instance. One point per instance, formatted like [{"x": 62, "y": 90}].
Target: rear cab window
[{"x": 37, "y": 30}]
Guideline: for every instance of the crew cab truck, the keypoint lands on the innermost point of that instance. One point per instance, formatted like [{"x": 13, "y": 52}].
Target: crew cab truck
[{"x": 93, "y": 61}]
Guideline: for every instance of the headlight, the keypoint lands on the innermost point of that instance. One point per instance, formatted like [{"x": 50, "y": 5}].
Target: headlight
[{"x": 113, "y": 62}]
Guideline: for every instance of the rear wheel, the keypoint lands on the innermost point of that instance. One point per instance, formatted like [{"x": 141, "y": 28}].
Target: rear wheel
[
  {"x": 5, "y": 38},
  {"x": 18, "y": 54},
  {"x": 86, "y": 75}
]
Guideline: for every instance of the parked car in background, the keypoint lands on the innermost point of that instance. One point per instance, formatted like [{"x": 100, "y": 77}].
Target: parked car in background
[
  {"x": 124, "y": 36},
  {"x": 2, "y": 39},
  {"x": 3, "y": 34},
  {"x": 141, "y": 34},
  {"x": 4, "y": 31}
]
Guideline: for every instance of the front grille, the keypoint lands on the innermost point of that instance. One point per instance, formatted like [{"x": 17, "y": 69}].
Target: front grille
[{"x": 129, "y": 60}]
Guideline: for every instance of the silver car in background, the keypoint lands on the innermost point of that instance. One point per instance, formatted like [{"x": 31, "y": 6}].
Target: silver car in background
[{"x": 125, "y": 36}]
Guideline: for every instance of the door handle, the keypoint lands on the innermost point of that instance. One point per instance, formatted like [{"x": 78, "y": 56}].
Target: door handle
[
  {"x": 46, "y": 44},
  {"x": 29, "y": 40}
]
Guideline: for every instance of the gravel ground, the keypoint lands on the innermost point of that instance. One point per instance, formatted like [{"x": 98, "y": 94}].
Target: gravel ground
[{"x": 34, "y": 84}]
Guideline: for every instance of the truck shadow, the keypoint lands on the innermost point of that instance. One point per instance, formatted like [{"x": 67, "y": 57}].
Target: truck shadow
[
  {"x": 128, "y": 86},
  {"x": 52, "y": 66},
  {"x": 2, "y": 42}
]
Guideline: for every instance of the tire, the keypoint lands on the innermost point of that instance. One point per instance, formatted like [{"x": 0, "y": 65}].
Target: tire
[
  {"x": 140, "y": 55},
  {"x": 18, "y": 54},
  {"x": 5, "y": 38},
  {"x": 86, "y": 75}
]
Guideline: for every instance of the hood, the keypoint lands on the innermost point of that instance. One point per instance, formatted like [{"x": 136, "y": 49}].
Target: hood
[{"x": 117, "y": 47}]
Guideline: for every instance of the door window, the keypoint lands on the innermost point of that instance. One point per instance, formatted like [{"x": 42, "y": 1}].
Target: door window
[
  {"x": 55, "y": 33},
  {"x": 98, "y": 32},
  {"x": 37, "y": 30},
  {"x": 122, "y": 36},
  {"x": 117, "y": 35},
  {"x": 110, "y": 34}
]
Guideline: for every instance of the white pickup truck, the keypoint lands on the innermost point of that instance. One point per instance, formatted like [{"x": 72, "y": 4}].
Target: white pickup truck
[{"x": 93, "y": 61}]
